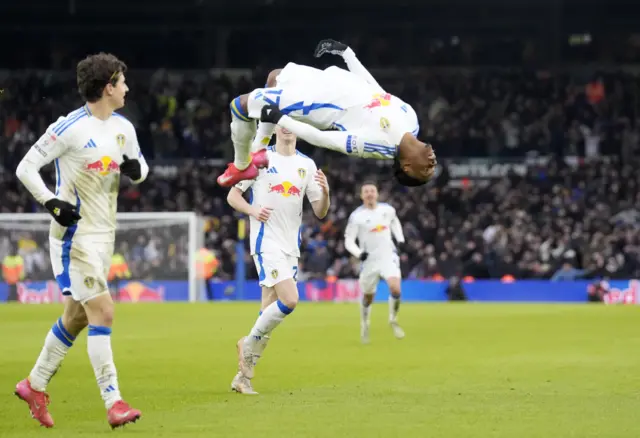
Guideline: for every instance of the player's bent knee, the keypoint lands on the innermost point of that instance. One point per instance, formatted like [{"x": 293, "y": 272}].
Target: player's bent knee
[
  {"x": 74, "y": 318},
  {"x": 367, "y": 299},
  {"x": 100, "y": 310},
  {"x": 272, "y": 78},
  {"x": 287, "y": 293}
]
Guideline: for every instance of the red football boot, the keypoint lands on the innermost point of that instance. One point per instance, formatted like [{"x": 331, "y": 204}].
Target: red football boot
[
  {"x": 121, "y": 413},
  {"x": 37, "y": 401},
  {"x": 260, "y": 159},
  {"x": 233, "y": 176}
]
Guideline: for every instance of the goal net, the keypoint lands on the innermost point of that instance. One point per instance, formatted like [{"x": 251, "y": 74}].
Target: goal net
[{"x": 156, "y": 257}]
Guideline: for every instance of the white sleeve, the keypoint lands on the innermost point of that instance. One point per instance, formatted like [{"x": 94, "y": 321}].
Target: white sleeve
[
  {"x": 245, "y": 185},
  {"x": 345, "y": 142},
  {"x": 313, "y": 191},
  {"x": 396, "y": 228},
  {"x": 44, "y": 151},
  {"x": 132, "y": 150},
  {"x": 356, "y": 67},
  {"x": 350, "y": 236}
]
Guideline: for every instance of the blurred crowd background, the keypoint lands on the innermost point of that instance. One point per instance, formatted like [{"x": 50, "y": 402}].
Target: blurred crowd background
[{"x": 532, "y": 108}]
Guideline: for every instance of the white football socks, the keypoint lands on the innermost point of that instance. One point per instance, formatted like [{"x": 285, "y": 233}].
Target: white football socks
[
  {"x": 394, "y": 306},
  {"x": 243, "y": 130},
  {"x": 56, "y": 346},
  {"x": 365, "y": 312},
  {"x": 263, "y": 136},
  {"x": 101, "y": 356},
  {"x": 270, "y": 318}
]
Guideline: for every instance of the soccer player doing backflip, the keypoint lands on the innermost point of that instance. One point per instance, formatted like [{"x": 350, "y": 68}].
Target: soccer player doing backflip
[{"x": 345, "y": 111}]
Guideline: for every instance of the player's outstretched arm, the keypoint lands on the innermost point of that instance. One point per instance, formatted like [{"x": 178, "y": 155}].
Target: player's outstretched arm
[
  {"x": 325, "y": 139},
  {"x": 353, "y": 63}
]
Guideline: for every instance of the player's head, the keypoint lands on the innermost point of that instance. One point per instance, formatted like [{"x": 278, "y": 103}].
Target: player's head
[
  {"x": 369, "y": 193},
  {"x": 285, "y": 141},
  {"x": 416, "y": 163},
  {"x": 285, "y": 136},
  {"x": 101, "y": 76}
]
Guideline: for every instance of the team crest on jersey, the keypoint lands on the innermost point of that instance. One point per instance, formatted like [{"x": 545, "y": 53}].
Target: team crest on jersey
[
  {"x": 302, "y": 172},
  {"x": 89, "y": 282},
  {"x": 274, "y": 274},
  {"x": 120, "y": 139},
  {"x": 384, "y": 123}
]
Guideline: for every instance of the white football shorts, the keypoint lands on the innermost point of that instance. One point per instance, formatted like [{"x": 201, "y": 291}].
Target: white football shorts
[
  {"x": 81, "y": 267},
  {"x": 374, "y": 270},
  {"x": 274, "y": 267}
]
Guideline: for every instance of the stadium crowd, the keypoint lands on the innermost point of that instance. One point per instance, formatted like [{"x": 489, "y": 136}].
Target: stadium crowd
[{"x": 557, "y": 220}]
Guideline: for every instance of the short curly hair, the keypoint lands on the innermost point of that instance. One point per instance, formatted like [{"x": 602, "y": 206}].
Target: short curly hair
[{"x": 95, "y": 72}]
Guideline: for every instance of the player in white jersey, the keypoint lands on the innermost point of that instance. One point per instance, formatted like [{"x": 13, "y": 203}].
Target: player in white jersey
[
  {"x": 91, "y": 148},
  {"x": 275, "y": 211},
  {"x": 373, "y": 225},
  {"x": 370, "y": 123}
]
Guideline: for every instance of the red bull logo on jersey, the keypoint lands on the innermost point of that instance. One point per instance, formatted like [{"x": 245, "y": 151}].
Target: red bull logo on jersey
[
  {"x": 380, "y": 99},
  {"x": 378, "y": 228},
  {"x": 135, "y": 291},
  {"x": 104, "y": 166},
  {"x": 285, "y": 189}
]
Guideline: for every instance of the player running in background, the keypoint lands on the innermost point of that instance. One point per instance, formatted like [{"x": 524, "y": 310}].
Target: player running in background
[
  {"x": 275, "y": 211},
  {"x": 373, "y": 224},
  {"x": 370, "y": 122},
  {"x": 91, "y": 146}
]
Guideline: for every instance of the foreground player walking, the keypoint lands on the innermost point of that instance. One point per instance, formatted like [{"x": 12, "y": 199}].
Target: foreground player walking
[
  {"x": 91, "y": 146},
  {"x": 276, "y": 216}
]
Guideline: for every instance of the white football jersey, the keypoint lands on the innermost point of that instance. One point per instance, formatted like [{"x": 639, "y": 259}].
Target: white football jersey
[
  {"x": 281, "y": 187},
  {"x": 87, "y": 153},
  {"x": 373, "y": 228},
  {"x": 345, "y": 100}
]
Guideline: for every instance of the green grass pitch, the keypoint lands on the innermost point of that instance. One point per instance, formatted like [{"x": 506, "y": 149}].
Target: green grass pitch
[{"x": 463, "y": 371}]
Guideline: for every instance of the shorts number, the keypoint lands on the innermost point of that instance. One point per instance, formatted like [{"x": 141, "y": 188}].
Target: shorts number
[{"x": 295, "y": 273}]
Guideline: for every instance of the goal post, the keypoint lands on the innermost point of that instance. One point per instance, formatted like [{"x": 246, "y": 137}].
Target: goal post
[{"x": 160, "y": 252}]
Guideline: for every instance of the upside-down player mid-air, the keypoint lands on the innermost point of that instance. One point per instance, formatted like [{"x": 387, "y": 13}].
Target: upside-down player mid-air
[
  {"x": 276, "y": 215},
  {"x": 374, "y": 224},
  {"x": 91, "y": 146},
  {"x": 370, "y": 123}
]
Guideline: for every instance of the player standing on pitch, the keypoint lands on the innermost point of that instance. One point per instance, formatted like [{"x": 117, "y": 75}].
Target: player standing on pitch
[
  {"x": 275, "y": 212},
  {"x": 91, "y": 147},
  {"x": 373, "y": 224},
  {"x": 307, "y": 101}
]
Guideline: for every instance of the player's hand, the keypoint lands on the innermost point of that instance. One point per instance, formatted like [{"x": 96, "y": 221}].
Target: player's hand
[
  {"x": 64, "y": 213},
  {"x": 364, "y": 256},
  {"x": 321, "y": 179},
  {"x": 270, "y": 114},
  {"x": 330, "y": 46},
  {"x": 131, "y": 168},
  {"x": 262, "y": 213}
]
